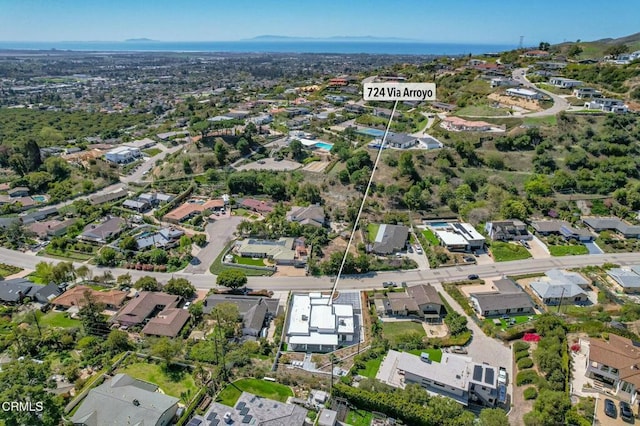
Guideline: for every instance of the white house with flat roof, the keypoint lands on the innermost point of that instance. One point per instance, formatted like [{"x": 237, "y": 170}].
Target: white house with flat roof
[
  {"x": 122, "y": 154},
  {"x": 565, "y": 83},
  {"x": 524, "y": 93},
  {"x": 455, "y": 376},
  {"x": 457, "y": 236},
  {"x": 315, "y": 325}
]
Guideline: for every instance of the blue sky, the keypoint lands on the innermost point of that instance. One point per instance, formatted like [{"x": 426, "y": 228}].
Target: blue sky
[{"x": 453, "y": 21}]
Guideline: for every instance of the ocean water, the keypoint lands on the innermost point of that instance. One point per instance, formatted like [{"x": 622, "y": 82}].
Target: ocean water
[{"x": 369, "y": 47}]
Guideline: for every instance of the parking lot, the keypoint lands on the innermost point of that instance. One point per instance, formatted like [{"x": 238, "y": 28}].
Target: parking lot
[{"x": 604, "y": 420}]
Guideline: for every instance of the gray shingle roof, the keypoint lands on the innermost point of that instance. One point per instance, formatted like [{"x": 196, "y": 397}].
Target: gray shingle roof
[
  {"x": 393, "y": 239},
  {"x": 627, "y": 278},
  {"x": 12, "y": 290},
  {"x": 546, "y": 290},
  {"x": 497, "y": 301}
]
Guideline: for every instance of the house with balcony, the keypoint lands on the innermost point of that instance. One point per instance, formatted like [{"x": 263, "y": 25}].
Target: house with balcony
[
  {"x": 615, "y": 364},
  {"x": 607, "y": 105},
  {"x": 507, "y": 230}
]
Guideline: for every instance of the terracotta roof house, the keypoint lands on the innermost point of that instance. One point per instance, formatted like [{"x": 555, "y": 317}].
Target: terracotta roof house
[
  {"x": 615, "y": 363},
  {"x": 191, "y": 209},
  {"x": 113, "y": 299},
  {"x": 258, "y": 206},
  {"x": 145, "y": 306}
]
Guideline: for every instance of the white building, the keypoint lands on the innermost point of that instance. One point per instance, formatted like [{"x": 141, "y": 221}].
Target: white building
[
  {"x": 457, "y": 236},
  {"x": 455, "y": 376},
  {"x": 586, "y": 93},
  {"x": 122, "y": 154},
  {"x": 565, "y": 83},
  {"x": 315, "y": 325},
  {"x": 503, "y": 82},
  {"x": 607, "y": 105},
  {"x": 524, "y": 93}
]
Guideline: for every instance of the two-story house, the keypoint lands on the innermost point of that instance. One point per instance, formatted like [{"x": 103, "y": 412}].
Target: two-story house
[{"x": 616, "y": 364}]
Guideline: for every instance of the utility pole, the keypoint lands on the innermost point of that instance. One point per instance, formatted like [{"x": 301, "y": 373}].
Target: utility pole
[
  {"x": 561, "y": 297},
  {"x": 35, "y": 317}
]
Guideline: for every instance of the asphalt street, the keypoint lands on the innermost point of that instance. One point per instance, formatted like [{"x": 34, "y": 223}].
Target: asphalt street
[{"x": 559, "y": 103}]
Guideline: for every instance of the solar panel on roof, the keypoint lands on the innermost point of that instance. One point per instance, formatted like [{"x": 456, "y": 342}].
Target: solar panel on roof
[
  {"x": 211, "y": 416},
  {"x": 477, "y": 373},
  {"x": 241, "y": 405},
  {"x": 247, "y": 419},
  {"x": 488, "y": 376},
  {"x": 244, "y": 411},
  {"x": 214, "y": 422}
]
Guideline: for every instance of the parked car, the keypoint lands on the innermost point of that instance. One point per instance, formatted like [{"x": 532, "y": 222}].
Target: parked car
[
  {"x": 387, "y": 284},
  {"x": 610, "y": 408},
  {"x": 502, "y": 376},
  {"x": 473, "y": 277},
  {"x": 625, "y": 411},
  {"x": 458, "y": 350},
  {"x": 403, "y": 284},
  {"x": 410, "y": 249}
]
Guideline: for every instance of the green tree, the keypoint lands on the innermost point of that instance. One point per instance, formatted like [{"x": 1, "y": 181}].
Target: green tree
[
  {"x": 90, "y": 314},
  {"x": 513, "y": 209},
  {"x": 574, "y": 50},
  {"x": 297, "y": 149},
  {"x": 166, "y": 349},
  {"x": 549, "y": 409},
  {"x": 180, "y": 287},
  {"x": 107, "y": 257},
  {"x": 128, "y": 243},
  {"x": 118, "y": 341},
  {"x": 617, "y": 49},
  {"x": 200, "y": 240},
  {"x": 31, "y": 152},
  {"x": 220, "y": 151},
  {"x": 457, "y": 323},
  {"x": 309, "y": 193},
  {"x": 57, "y": 167},
  {"x": 232, "y": 278},
  {"x": 147, "y": 283},
  {"x": 197, "y": 310},
  {"x": 18, "y": 164},
  {"x": 124, "y": 280},
  {"x": 243, "y": 146},
  {"x": 44, "y": 271},
  {"x": 493, "y": 417},
  {"x": 158, "y": 256}
]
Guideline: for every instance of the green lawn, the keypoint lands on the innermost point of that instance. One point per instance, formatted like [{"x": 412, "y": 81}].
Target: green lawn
[
  {"x": 371, "y": 368},
  {"x": 6, "y": 270},
  {"x": 482, "y": 110},
  {"x": 36, "y": 278},
  {"x": 359, "y": 418},
  {"x": 57, "y": 319},
  {"x": 372, "y": 229},
  {"x": 217, "y": 266},
  {"x": 391, "y": 330},
  {"x": 173, "y": 383},
  {"x": 248, "y": 261},
  {"x": 503, "y": 252},
  {"x": 431, "y": 237},
  {"x": 435, "y": 355},
  {"x": 520, "y": 319},
  {"x": 229, "y": 395},
  {"x": 152, "y": 152},
  {"x": 568, "y": 250},
  {"x": 541, "y": 121}
]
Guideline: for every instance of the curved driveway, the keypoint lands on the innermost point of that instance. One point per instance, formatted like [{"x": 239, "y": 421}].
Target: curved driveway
[{"x": 559, "y": 103}]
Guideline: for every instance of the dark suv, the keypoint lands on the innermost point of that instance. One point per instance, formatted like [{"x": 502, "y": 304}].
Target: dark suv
[
  {"x": 625, "y": 411},
  {"x": 610, "y": 408}
]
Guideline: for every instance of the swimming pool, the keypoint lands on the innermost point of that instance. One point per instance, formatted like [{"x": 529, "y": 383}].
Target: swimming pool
[
  {"x": 324, "y": 145},
  {"x": 39, "y": 198},
  {"x": 370, "y": 132},
  {"x": 438, "y": 224}
]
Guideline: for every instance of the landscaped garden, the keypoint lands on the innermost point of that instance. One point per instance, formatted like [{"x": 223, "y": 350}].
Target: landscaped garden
[
  {"x": 392, "y": 331},
  {"x": 431, "y": 237},
  {"x": 175, "y": 381},
  {"x": 371, "y": 368},
  {"x": 6, "y": 270},
  {"x": 248, "y": 261},
  {"x": 229, "y": 395},
  {"x": 57, "y": 319},
  {"x": 359, "y": 418},
  {"x": 435, "y": 355}
]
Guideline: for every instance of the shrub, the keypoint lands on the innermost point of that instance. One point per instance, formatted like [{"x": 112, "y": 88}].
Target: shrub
[
  {"x": 525, "y": 363},
  {"x": 526, "y": 377},
  {"x": 521, "y": 354},
  {"x": 521, "y": 346},
  {"x": 530, "y": 393}
]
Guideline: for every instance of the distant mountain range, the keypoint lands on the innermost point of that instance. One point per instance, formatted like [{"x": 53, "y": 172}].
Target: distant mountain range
[{"x": 334, "y": 38}]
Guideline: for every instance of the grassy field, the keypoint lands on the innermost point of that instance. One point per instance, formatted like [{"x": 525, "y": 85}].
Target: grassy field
[
  {"x": 520, "y": 319},
  {"x": 391, "y": 330},
  {"x": 229, "y": 395},
  {"x": 372, "y": 230},
  {"x": 435, "y": 355},
  {"x": 568, "y": 250},
  {"x": 482, "y": 110},
  {"x": 371, "y": 368},
  {"x": 504, "y": 252},
  {"x": 359, "y": 418},
  {"x": 248, "y": 261},
  {"x": 152, "y": 152},
  {"x": 6, "y": 270},
  {"x": 57, "y": 319},
  {"x": 173, "y": 383},
  {"x": 431, "y": 237},
  {"x": 541, "y": 121}
]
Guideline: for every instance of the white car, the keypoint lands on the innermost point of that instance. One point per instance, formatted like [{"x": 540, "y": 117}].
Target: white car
[{"x": 502, "y": 376}]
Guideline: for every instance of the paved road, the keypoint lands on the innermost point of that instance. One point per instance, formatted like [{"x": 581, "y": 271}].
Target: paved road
[
  {"x": 517, "y": 267},
  {"x": 559, "y": 103},
  {"x": 219, "y": 233}
]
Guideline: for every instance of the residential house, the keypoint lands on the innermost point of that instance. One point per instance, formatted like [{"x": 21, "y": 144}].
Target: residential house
[
  {"x": 614, "y": 364},
  {"x": 355, "y": 108},
  {"x": 528, "y": 94},
  {"x": 122, "y": 154},
  {"x": 164, "y": 238},
  {"x": 256, "y": 312},
  {"x": 563, "y": 228},
  {"x": 627, "y": 279},
  {"x": 255, "y": 410},
  {"x": 315, "y": 325},
  {"x": 422, "y": 301},
  {"x": 142, "y": 143},
  {"x": 506, "y": 298},
  {"x": 504, "y": 82},
  {"x": 76, "y": 296},
  {"x": 257, "y": 206},
  {"x": 599, "y": 224},
  {"x": 136, "y": 205},
  {"x": 455, "y": 376},
  {"x": 561, "y": 287},
  {"x": 281, "y": 251},
  {"x": 145, "y": 306},
  {"x": 536, "y": 54},
  {"x": 586, "y": 93},
  {"x": 103, "y": 232},
  {"x": 311, "y": 215},
  {"x": 18, "y": 191},
  {"x": 168, "y": 323},
  {"x": 398, "y": 140},
  {"x": 389, "y": 239},
  {"x": 507, "y": 230},
  {"x": 41, "y": 214},
  {"x": 191, "y": 209},
  {"x": 429, "y": 142},
  {"x": 443, "y": 106},
  {"x": 386, "y": 113},
  {"x": 14, "y": 291},
  {"x": 564, "y": 83},
  {"x": 457, "y": 236},
  {"x": 98, "y": 199},
  {"x": 155, "y": 198},
  {"x": 607, "y": 105},
  {"x": 123, "y": 400},
  {"x": 50, "y": 228}
]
